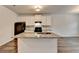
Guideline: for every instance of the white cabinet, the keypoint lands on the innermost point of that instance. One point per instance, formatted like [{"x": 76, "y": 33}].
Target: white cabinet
[
  {"x": 37, "y": 45},
  {"x": 21, "y": 19},
  {"x": 49, "y": 20},
  {"x": 46, "y": 19},
  {"x": 30, "y": 19}
]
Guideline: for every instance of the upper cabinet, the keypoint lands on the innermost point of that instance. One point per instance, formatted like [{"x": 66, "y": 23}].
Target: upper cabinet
[{"x": 30, "y": 19}]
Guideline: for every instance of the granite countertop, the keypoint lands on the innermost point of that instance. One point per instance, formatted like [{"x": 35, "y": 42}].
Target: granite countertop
[
  {"x": 42, "y": 35},
  {"x": 36, "y": 35}
]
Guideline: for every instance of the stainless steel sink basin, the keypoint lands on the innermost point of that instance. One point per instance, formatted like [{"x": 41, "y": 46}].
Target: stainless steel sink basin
[{"x": 44, "y": 33}]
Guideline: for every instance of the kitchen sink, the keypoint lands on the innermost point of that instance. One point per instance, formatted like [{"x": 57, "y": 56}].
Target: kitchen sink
[{"x": 44, "y": 33}]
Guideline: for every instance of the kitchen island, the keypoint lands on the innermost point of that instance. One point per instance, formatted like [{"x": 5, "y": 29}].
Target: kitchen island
[{"x": 31, "y": 42}]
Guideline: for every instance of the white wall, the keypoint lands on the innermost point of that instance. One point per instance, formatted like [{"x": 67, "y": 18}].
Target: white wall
[
  {"x": 65, "y": 24},
  {"x": 7, "y": 19}
]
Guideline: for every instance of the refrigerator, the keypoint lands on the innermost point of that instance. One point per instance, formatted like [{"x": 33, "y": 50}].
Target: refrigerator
[{"x": 19, "y": 27}]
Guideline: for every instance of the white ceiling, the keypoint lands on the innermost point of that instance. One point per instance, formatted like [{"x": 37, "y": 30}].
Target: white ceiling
[{"x": 29, "y": 9}]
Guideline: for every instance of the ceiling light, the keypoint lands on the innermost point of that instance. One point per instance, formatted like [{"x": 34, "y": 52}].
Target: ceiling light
[
  {"x": 37, "y": 9},
  {"x": 37, "y": 6}
]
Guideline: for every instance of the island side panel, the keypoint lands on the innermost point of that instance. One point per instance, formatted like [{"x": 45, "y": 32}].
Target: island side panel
[{"x": 37, "y": 45}]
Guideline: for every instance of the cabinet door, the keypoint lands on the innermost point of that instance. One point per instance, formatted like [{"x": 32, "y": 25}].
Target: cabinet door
[
  {"x": 44, "y": 21},
  {"x": 37, "y": 18},
  {"x": 32, "y": 20},
  {"x": 28, "y": 20},
  {"x": 41, "y": 18},
  {"x": 39, "y": 45},
  {"x": 48, "y": 18},
  {"x": 22, "y": 18}
]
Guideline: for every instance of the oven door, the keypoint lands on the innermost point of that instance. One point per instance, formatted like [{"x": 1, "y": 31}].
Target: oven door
[{"x": 38, "y": 29}]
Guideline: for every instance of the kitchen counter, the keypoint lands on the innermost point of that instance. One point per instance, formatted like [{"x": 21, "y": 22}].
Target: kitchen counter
[
  {"x": 42, "y": 35},
  {"x": 36, "y": 35},
  {"x": 42, "y": 42},
  {"x": 31, "y": 42}
]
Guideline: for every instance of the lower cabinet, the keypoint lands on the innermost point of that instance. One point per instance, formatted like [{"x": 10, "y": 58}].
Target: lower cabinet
[{"x": 37, "y": 45}]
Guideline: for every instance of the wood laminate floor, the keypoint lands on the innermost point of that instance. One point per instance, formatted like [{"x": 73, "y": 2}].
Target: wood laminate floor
[
  {"x": 10, "y": 47},
  {"x": 68, "y": 45}
]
